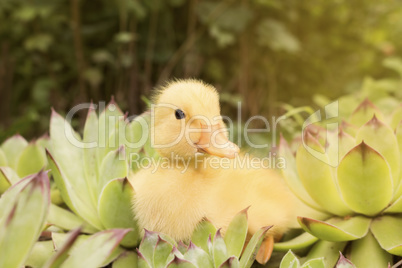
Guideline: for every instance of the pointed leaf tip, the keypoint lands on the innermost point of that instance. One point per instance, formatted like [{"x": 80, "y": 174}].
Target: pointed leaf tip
[
  {"x": 218, "y": 234},
  {"x": 54, "y": 113},
  {"x": 121, "y": 149},
  {"x": 191, "y": 245},
  {"x": 310, "y": 140},
  {"x": 266, "y": 228},
  {"x": 245, "y": 211},
  {"x": 344, "y": 262},
  {"x": 120, "y": 233},
  {"x": 366, "y": 103}
]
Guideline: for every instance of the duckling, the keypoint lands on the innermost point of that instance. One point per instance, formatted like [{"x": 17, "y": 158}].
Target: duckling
[{"x": 200, "y": 178}]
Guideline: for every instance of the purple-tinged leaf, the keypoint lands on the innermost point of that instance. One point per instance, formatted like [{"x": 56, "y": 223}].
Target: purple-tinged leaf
[
  {"x": 337, "y": 229},
  {"x": 253, "y": 245},
  {"x": 25, "y": 202},
  {"x": 180, "y": 263},
  {"x": 344, "y": 263},
  {"x": 161, "y": 253},
  {"x": 232, "y": 262},
  {"x": 96, "y": 250},
  {"x": 364, "y": 112},
  {"x": 198, "y": 256},
  {"x": 220, "y": 253},
  {"x": 62, "y": 253}
]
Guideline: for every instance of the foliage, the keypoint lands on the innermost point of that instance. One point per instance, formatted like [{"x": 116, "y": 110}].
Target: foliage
[
  {"x": 25, "y": 206},
  {"x": 291, "y": 261},
  {"x": 92, "y": 172},
  {"x": 208, "y": 248},
  {"x": 23, "y": 210},
  {"x": 354, "y": 176}
]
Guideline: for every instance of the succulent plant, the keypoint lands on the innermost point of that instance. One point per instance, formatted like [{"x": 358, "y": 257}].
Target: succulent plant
[
  {"x": 91, "y": 172},
  {"x": 18, "y": 158},
  {"x": 291, "y": 261},
  {"x": 23, "y": 211},
  {"x": 207, "y": 248},
  {"x": 361, "y": 196}
]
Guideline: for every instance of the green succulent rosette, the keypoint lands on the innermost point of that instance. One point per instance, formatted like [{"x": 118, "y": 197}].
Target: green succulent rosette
[{"x": 361, "y": 193}]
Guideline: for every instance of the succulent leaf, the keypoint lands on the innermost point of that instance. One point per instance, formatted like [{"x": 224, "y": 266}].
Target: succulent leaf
[
  {"x": 316, "y": 176},
  {"x": 45, "y": 142},
  {"x": 113, "y": 166},
  {"x": 72, "y": 196},
  {"x": 109, "y": 120},
  {"x": 232, "y": 262},
  {"x": 314, "y": 263},
  {"x": 201, "y": 233},
  {"x": 349, "y": 128},
  {"x": 6, "y": 180},
  {"x": 198, "y": 256},
  {"x": 182, "y": 247},
  {"x": 364, "y": 112},
  {"x": 115, "y": 210},
  {"x": 398, "y": 133},
  {"x": 96, "y": 250},
  {"x": 236, "y": 234},
  {"x": 142, "y": 262},
  {"x": 128, "y": 259},
  {"x": 250, "y": 252},
  {"x": 59, "y": 239},
  {"x": 147, "y": 246},
  {"x": 161, "y": 252},
  {"x": 395, "y": 207},
  {"x": 381, "y": 138},
  {"x": 180, "y": 263},
  {"x": 3, "y": 159},
  {"x": 365, "y": 166},
  {"x": 396, "y": 117},
  {"x": 40, "y": 253},
  {"x": 91, "y": 161},
  {"x": 10, "y": 196},
  {"x": 62, "y": 253},
  {"x": 137, "y": 133},
  {"x": 67, "y": 220},
  {"x": 338, "y": 145},
  {"x": 387, "y": 231},
  {"x": 337, "y": 229},
  {"x": 291, "y": 177},
  {"x": 70, "y": 176},
  {"x": 30, "y": 200},
  {"x": 328, "y": 250},
  {"x": 220, "y": 253},
  {"x": 344, "y": 263},
  {"x": 31, "y": 160},
  {"x": 13, "y": 148},
  {"x": 290, "y": 261},
  {"x": 302, "y": 241},
  {"x": 368, "y": 246}
]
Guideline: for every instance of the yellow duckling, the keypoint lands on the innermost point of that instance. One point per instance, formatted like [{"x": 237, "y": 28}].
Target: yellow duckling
[{"x": 198, "y": 177}]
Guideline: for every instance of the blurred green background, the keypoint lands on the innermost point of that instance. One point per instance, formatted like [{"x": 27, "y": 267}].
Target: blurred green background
[{"x": 58, "y": 53}]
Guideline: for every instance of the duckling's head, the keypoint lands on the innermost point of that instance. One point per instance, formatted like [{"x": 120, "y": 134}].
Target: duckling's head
[{"x": 186, "y": 120}]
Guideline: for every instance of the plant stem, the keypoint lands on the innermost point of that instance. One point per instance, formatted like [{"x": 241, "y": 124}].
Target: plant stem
[
  {"x": 189, "y": 67},
  {"x": 189, "y": 42},
  {"x": 78, "y": 46},
  {"x": 149, "y": 54},
  {"x": 134, "y": 91}
]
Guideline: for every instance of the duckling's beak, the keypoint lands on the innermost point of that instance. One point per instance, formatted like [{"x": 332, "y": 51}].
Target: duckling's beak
[{"x": 213, "y": 141}]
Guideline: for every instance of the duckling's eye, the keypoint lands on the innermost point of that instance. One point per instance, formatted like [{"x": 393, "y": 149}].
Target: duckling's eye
[{"x": 179, "y": 114}]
